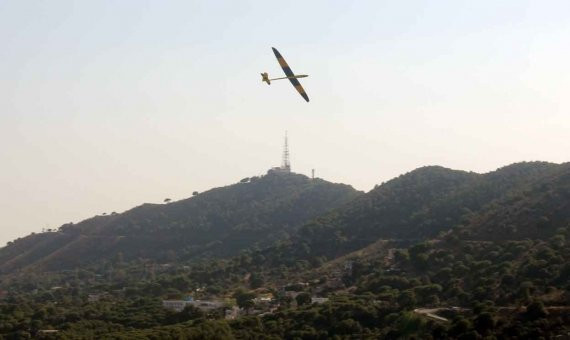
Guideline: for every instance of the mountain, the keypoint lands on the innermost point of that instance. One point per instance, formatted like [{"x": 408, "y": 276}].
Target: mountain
[
  {"x": 312, "y": 218},
  {"x": 534, "y": 209},
  {"x": 216, "y": 223},
  {"x": 432, "y": 254},
  {"x": 518, "y": 201}
]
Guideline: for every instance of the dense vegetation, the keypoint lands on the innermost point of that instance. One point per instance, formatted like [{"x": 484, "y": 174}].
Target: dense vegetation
[
  {"x": 219, "y": 222},
  {"x": 434, "y": 253}
]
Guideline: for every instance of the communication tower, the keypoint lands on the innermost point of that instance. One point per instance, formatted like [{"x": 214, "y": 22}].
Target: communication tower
[{"x": 285, "y": 164}]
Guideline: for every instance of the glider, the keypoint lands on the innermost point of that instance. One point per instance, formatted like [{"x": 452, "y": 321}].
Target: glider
[{"x": 289, "y": 73}]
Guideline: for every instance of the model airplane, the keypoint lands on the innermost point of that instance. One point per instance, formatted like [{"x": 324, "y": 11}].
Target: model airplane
[{"x": 289, "y": 73}]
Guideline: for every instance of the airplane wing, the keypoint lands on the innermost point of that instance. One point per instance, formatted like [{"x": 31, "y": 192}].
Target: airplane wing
[{"x": 290, "y": 73}]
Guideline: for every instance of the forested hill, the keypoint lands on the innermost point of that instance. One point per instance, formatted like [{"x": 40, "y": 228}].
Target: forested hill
[
  {"x": 518, "y": 201},
  {"x": 319, "y": 220},
  {"x": 219, "y": 222},
  {"x": 535, "y": 209}
]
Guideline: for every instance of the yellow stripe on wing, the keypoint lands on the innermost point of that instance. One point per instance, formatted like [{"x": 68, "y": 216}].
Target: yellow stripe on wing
[{"x": 282, "y": 62}]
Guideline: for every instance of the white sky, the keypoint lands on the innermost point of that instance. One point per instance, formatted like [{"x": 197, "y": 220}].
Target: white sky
[{"x": 105, "y": 105}]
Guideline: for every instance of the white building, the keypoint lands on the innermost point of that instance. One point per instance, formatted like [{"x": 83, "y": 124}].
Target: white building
[
  {"x": 176, "y": 305},
  {"x": 203, "y": 305},
  {"x": 206, "y": 306},
  {"x": 93, "y": 297},
  {"x": 232, "y": 313},
  {"x": 319, "y": 300}
]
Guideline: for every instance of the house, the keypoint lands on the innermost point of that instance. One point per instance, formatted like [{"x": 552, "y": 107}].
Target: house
[
  {"x": 176, "y": 305},
  {"x": 46, "y": 334},
  {"x": 319, "y": 300},
  {"x": 95, "y": 297},
  {"x": 48, "y": 331},
  {"x": 292, "y": 294},
  {"x": 264, "y": 298},
  {"x": 334, "y": 283},
  {"x": 298, "y": 286},
  {"x": 207, "y": 305},
  {"x": 232, "y": 313}
]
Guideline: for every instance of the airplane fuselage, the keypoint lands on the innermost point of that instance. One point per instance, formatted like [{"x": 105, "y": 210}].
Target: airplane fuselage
[{"x": 265, "y": 77}]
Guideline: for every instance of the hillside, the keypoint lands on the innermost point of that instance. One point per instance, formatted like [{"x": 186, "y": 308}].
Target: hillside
[
  {"x": 219, "y": 222},
  {"x": 430, "y": 201},
  {"x": 315, "y": 220},
  {"x": 535, "y": 209},
  {"x": 433, "y": 254}
]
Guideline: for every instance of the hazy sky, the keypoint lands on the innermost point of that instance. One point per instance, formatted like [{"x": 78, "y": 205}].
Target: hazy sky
[{"x": 105, "y": 105}]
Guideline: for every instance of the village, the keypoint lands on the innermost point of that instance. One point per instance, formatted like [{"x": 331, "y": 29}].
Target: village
[{"x": 260, "y": 301}]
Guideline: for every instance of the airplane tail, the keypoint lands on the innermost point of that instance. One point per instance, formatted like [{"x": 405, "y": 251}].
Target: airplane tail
[{"x": 265, "y": 78}]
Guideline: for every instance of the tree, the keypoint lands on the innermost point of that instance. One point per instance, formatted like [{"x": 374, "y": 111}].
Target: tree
[
  {"x": 189, "y": 313},
  {"x": 286, "y": 300},
  {"x": 535, "y": 310},
  {"x": 256, "y": 280},
  {"x": 420, "y": 261},
  {"x": 407, "y": 299},
  {"x": 484, "y": 322},
  {"x": 244, "y": 299},
  {"x": 459, "y": 327},
  {"x": 303, "y": 299},
  {"x": 349, "y": 326}
]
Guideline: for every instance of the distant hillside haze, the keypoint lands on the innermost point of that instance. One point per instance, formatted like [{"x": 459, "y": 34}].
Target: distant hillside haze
[{"x": 219, "y": 222}]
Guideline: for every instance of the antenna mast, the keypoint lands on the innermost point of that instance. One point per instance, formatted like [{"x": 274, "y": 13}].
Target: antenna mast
[{"x": 286, "y": 165}]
